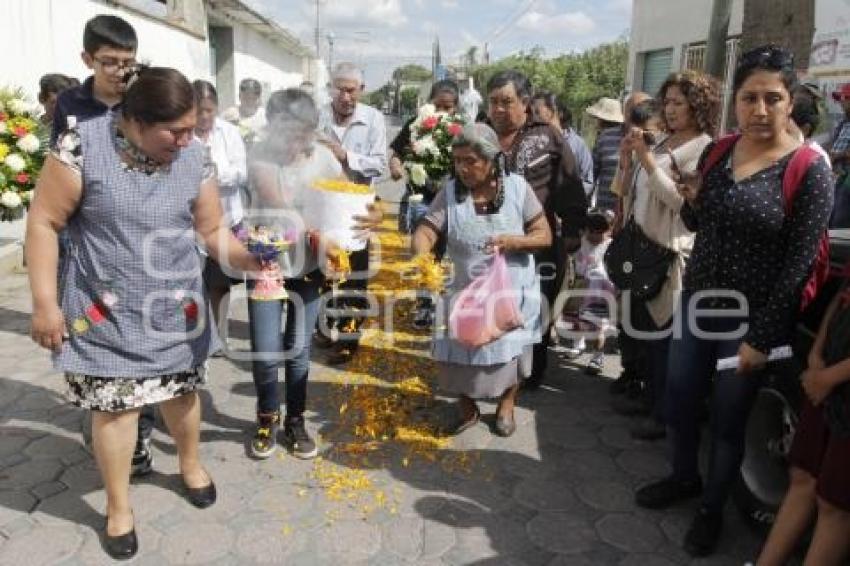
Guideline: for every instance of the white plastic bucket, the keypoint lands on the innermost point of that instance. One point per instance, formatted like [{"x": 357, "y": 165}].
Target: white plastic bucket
[{"x": 331, "y": 213}]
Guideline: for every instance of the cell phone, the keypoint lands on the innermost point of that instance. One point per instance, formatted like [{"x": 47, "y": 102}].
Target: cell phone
[{"x": 648, "y": 138}]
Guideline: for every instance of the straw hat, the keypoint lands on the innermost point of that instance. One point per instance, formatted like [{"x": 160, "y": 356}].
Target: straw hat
[{"x": 607, "y": 109}]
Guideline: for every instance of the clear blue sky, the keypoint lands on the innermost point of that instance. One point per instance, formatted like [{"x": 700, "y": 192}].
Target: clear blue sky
[{"x": 381, "y": 35}]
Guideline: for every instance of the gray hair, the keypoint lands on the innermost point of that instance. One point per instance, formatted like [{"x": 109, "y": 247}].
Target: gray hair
[
  {"x": 348, "y": 72},
  {"x": 481, "y": 139}
]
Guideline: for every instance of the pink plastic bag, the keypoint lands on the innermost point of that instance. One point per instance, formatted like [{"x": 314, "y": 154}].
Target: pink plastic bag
[{"x": 487, "y": 308}]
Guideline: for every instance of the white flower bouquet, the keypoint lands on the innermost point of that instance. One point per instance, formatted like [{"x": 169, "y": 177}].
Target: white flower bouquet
[
  {"x": 429, "y": 157},
  {"x": 21, "y": 153}
]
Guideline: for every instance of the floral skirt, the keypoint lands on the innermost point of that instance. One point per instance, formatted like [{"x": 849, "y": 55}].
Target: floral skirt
[{"x": 115, "y": 394}]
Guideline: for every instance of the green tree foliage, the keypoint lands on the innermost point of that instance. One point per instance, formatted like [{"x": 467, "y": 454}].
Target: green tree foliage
[
  {"x": 408, "y": 99},
  {"x": 577, "y": 79},
  {"x": 412, "y": 73},
  {"x": 378, "y": 98}
]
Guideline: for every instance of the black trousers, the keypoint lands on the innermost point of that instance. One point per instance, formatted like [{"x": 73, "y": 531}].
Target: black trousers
[
  {"x": 552, "y": 271},
  {"x": 353, "y": 297}
]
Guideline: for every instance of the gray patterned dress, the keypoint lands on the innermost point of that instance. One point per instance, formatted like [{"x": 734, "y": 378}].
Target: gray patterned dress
[{"x": 131, "y": 288}]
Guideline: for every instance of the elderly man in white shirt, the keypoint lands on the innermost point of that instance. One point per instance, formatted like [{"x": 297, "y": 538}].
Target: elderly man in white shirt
[
  {"x": 357, "y": 136},
  {"x": 356, "y": 133},
  {"x": 226, "y": 151}
]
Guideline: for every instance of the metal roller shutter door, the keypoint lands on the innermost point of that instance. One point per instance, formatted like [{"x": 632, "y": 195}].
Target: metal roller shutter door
[{"x": 656, "y": 67}]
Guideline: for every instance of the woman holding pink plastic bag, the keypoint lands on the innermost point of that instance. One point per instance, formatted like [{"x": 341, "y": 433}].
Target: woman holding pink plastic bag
[{"x": 483, "y": 212}]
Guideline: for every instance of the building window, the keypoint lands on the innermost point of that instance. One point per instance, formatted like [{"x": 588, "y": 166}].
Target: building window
[
  {"x": 732, "y": 48},
  {"x": 656, "y": 68},
  {"x": 694, "y": 57}
]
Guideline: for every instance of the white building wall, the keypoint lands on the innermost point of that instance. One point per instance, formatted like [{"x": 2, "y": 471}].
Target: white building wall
[
  {"x": 258, "y": 57},
  {"x": 664, "y": 24},
  {"x": 46, "y": 36}
]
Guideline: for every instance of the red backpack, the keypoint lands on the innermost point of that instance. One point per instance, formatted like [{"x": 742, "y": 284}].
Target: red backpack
[{"x": 793, "y": 177}]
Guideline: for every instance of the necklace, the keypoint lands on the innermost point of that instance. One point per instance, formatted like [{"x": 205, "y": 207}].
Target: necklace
[
  {"x": 488, "y": 204},
  {"x": 134, "y": 159}
]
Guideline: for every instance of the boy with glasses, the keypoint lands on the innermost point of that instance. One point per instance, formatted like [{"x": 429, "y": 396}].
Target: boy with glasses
[{"x": 109, "y": 50}]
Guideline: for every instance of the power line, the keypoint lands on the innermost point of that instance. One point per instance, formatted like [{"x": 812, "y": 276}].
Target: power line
[{"x": 511, "y": 19}]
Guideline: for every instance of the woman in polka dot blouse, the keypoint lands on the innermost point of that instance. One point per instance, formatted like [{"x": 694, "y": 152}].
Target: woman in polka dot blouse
[{"x": 758, "y": 257}]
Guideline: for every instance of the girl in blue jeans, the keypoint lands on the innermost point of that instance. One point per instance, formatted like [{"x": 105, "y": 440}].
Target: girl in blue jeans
[
  {"x": 752, "y": 254},
  {"x": 288, "y": 161}
]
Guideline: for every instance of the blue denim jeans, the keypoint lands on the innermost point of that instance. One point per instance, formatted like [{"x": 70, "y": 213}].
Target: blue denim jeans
[
  {"x": 415, "y": 212},
  {"x": 402, "y": 213},
  {"x": 410, "y": 212},
  {"x": 692, "y": 363},
  {"x": 841, "y": 205},
  {"x": 296, "y": 318}
]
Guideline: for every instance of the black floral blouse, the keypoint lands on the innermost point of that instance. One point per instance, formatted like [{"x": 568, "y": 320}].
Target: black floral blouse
[{"x": 746, "y": 243}]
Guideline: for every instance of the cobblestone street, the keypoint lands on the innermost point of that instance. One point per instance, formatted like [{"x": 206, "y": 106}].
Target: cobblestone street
[{"x": 557, "y": 492}]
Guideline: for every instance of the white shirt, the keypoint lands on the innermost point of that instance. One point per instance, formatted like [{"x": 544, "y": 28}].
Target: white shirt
[
  {"x": 590, "y": 259},
  {"x": 252, "y": 127},
  {"x": 469, "y": 102},
  {"x": 227, "y": 151},
  {"x": 364, "y": 139}
]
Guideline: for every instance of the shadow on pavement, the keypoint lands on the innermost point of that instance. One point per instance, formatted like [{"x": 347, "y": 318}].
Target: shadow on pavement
[{"x": 15, "y": 321}]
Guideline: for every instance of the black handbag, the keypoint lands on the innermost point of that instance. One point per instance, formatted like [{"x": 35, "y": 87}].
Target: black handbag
[{"x": 637, "y": 264}]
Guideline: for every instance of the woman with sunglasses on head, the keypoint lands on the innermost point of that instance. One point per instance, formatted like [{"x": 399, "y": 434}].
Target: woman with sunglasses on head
[
  {"x": 753, "y": 253},
  {"x": 690, "y": 107}
]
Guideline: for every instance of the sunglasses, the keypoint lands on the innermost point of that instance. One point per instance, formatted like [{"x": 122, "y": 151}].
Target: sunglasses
[{"x": 775, "y": 57}]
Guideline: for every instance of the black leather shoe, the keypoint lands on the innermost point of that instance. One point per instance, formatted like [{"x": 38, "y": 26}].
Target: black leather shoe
[
  {"x": 701, "y": 539},
  {"x": 669, "y": 491},
  {"x": 122, "y": 547},
  {"x": 505, "y": 426},
  {"x": 532, "y": 382},
  {"x": 201, "y": 497},
  {"x": 461, "y": 423}
]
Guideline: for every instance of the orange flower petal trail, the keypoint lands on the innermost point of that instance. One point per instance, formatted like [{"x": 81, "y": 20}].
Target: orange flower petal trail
[{"x": 382, "y": 405}]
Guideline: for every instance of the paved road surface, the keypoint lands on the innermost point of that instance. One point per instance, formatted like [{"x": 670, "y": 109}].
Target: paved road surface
[{"x": 559, "y": 492}]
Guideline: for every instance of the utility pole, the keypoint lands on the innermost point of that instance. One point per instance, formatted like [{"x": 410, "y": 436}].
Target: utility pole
[
  {"x": 331, "y": 36},
  {"x": 318, "y": 34},
  {"x": 715, "y": 51}
]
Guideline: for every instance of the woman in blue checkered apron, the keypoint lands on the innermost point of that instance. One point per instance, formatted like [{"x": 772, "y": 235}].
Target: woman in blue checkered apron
[
  {"x": 483, "y": 211},
  {"x": 128, "y": 323}
]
